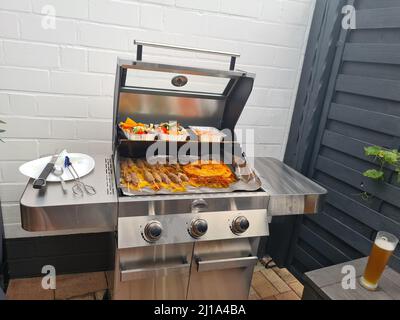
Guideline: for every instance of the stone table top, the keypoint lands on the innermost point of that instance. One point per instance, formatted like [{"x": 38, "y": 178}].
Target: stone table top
[{"x": 327, "y": 282}]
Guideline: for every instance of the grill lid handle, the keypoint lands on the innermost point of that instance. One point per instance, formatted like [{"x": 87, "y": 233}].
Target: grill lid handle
[{"x": 141, "y": 44}]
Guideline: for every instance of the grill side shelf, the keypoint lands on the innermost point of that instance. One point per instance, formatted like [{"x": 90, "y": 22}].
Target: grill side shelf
[
  {"x": 290, "y": 192},
  {"x": 57, "y": 213}
]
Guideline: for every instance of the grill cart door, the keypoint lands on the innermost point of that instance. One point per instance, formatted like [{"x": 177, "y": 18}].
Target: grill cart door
[
  {"x": 222, "y": 270},
  {"x": 158, "y": 272}
]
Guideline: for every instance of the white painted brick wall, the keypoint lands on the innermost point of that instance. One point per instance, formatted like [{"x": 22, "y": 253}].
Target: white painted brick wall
[
  {"x": 30, "y": 55},
  {"x": 22, "y": 104},
  {"x": 20, "y": 5},
  {"x": 113, "y": 12},
  {"x": 56, "y": 86},
  {"x": 76, "y": 83},
  {"x": 151, "y": 17},
  {"x": 71, "y": 9},
  {"x": 24, "y": 79},
  {"x": 31, "y": 29},
  {"x": 62, "y": 106},
  {"x": 73, "y": 59},
  {"x": 8, "y": 25}
]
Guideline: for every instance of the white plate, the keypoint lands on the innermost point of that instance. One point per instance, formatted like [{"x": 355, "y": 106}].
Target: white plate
[{"x": 82, "y": 163}]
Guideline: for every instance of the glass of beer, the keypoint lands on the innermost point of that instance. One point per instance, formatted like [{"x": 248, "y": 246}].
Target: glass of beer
[{"x": 383, "y": 247}]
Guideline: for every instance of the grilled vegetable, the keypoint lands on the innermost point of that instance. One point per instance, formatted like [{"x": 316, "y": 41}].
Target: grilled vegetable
[
  {"x": 171, "y": 127},
  {"x": 131, "y": 126}
]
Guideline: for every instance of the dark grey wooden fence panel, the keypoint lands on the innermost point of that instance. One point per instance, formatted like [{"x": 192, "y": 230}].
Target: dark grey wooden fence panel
[
  {"x": 374, "y": 4},
  {"x": 312, "y": 88},
  {"x": 376, "y": 36},
  {"x": 373, "y": 53},
  {"x": 351, "y": 146},
  {"x": 330, "y": 237},
  {"x": 348, "y": 145},
  {"x": 362, "y": 213},
  {"x": 372, "y": 137},
  {"x": 369, "y": 103},
  {"x": 306, "y": 259},
  {"x": 367, "y": 119},
  {"x": 342, "y": 158},
  {"x": 379, "y": 88},
  {"x": 355, "y": 178},
  {"x": 390, "y": 211},
  {"x": 337, "y": 256},
  {"x": 361, "y": 108},
  {"x": 371, "y": 70},
  {"x": 347, "y": 234},
  {"x": 378, "y": 18},
  {"x": 314, "y": 80},
  {"x": 352, "y": 192}
]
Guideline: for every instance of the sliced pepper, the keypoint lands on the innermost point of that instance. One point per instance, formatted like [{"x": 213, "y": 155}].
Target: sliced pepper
[{"x": 130, "y": 122}]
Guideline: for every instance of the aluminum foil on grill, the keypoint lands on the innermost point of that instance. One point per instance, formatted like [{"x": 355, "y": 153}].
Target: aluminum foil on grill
[{"x": 246, "y": 180}]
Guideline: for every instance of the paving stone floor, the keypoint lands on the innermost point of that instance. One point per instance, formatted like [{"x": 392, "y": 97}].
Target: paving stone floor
[
  {"x": 274, "y": 284},
  {"x": 268, "y": 284}
]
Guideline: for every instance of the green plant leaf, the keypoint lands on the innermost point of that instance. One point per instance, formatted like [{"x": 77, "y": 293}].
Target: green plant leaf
[
  {"x": 374, "y": 174},
  {"x": 1, "y": 121},
  {"x": 372, "y": 151},
  {"x": 1, "y": 130},
  {"x": 390, "y": 157},
  {"x": 383, "y": 156}
]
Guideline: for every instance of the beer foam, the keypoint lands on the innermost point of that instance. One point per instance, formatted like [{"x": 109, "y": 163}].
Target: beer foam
[{"x": 385, "y": 244}]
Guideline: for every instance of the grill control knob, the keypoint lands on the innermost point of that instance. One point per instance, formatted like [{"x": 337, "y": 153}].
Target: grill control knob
[
  {"x": 240, "y": 225},
  {"x": 152, "y": 231},
  {"x": 198, "y": 228}
]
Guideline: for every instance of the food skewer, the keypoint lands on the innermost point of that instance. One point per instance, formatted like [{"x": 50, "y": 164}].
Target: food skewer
[
  {"x": 174, "y": 178},
  {"x": 156, "y": 176},
  {"x": 165, "y": 178},
  {"x": 140, "y": 164},
  {"x": 183, "y": 177},
  {"x": 138, "y": 174}
]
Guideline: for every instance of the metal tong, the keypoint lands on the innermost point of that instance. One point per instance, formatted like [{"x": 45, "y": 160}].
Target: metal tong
[{"x": 79, "y": 187}]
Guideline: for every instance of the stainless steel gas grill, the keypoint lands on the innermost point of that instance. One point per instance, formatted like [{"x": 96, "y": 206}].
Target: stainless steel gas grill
[
  {"x": 190, "y": 245},
  {"x": 195, "y": 242}
]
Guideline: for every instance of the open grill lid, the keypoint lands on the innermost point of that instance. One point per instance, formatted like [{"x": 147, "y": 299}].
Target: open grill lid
[{"x": 155, "y": 93}]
